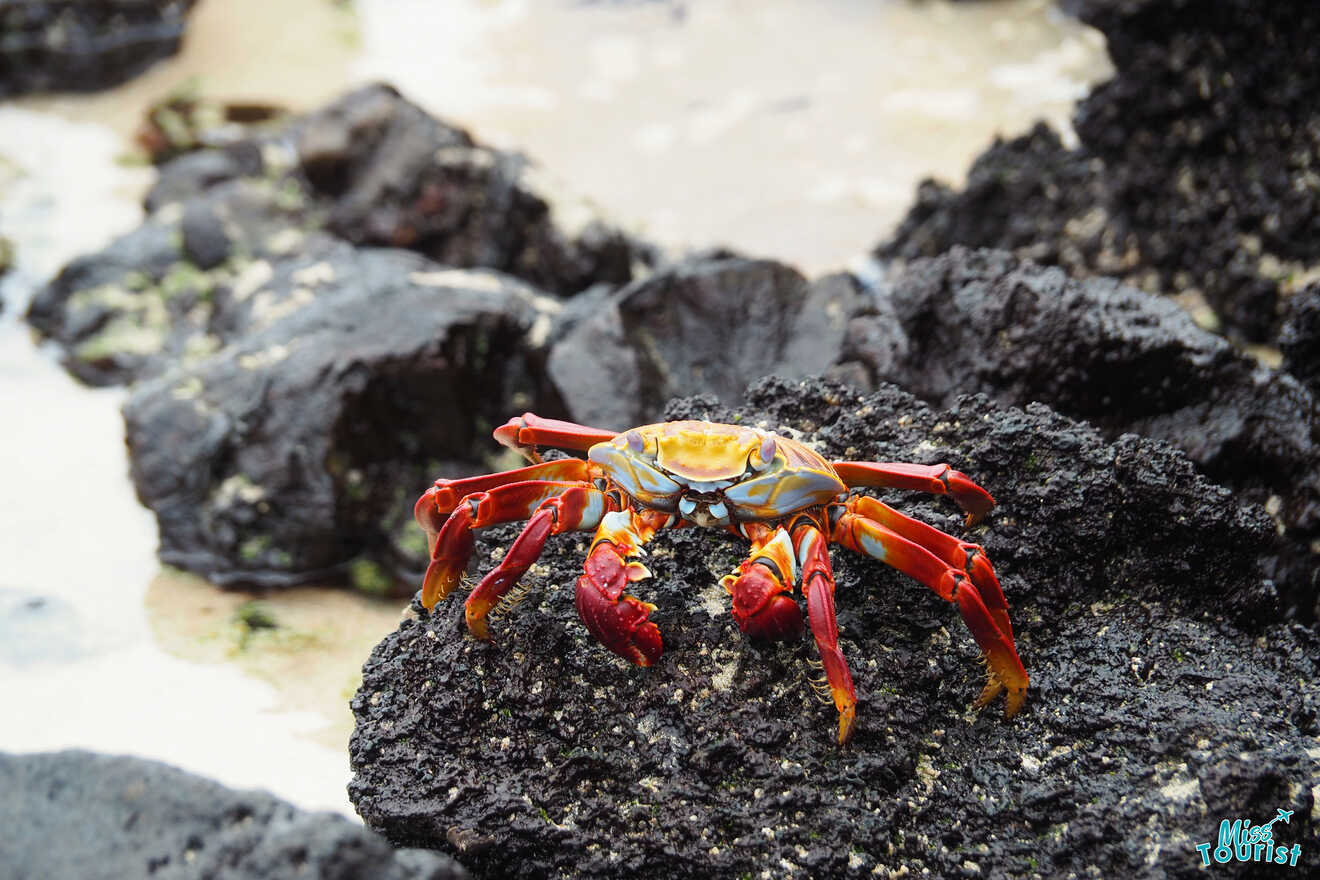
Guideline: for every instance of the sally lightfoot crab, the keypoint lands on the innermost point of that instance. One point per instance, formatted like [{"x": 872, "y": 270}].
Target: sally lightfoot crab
[{"x": 777, "y": 493}]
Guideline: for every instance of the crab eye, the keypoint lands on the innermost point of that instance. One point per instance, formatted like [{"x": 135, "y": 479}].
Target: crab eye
[
  {"x": 635, "y": 441},
  {"x": 766, "y": 454}
]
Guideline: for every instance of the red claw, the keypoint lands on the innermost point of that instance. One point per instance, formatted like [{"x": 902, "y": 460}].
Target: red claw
[
  {"x": 451, "y": 548},
  {"x": 430, "y": 512},
  {"x": 618, "y": 621},
  {"x": 760, "y": 607}
]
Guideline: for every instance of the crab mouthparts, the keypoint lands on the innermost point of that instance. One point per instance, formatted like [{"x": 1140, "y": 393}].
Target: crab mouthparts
[{"x": 704, "y": 509}]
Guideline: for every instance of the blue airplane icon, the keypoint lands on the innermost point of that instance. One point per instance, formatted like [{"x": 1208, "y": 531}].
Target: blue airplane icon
[{"x": 1285, "y": 815}]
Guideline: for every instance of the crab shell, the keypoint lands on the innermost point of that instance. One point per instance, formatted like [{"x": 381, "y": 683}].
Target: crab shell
[{"x": 717, "y": 475}]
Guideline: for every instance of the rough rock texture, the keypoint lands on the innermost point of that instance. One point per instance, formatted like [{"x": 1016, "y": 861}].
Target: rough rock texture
[
  {"x": 79, "y": 814},
  {"x": 1116, "y": 357},
  {"x": 299, "y": 447},
  {"x": 1165, "y": 695},
  {"x": 370, "y": 169},
  {"x": 84, "y": 45},
  {"x": 706, "y": 324},
  {"x": 1299, "y": 340},
  {"x": 1196, "y": 169},
  {"x": 190, "y": 279}
]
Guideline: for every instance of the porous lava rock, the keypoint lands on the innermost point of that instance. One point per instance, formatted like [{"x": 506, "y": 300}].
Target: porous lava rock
[
  {"x": 79, "y": 814},
  {"x": 704, "y": 324},
  {"x": 1165, "y": 694},
  {"x": 297, "y": 448},
  {"x": 371, "y": 169},
  {"x": 1196, "y": 167},
  {"x": 84, "y": 45},
  {"x": 1299, "y": 340},
  {"x": 1120, "y": 359}
]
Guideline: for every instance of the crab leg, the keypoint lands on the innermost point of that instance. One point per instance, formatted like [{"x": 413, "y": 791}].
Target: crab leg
[
  {"x": 858, "y": 532},
  {"x": 958, "y": 554},
  {"x": 617, "y": 620},
  {"x": 579, "y": 506},
  {"x": 758, "y": 586},
  {"x": 437, "y": 501},
  {"x": 938, "y": 479},
  {"x": 818, "y": 585},
  {"x": 526, "y": 432}
]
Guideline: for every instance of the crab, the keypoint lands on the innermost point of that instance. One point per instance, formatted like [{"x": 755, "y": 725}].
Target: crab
[{"x": 777, "y": 493}]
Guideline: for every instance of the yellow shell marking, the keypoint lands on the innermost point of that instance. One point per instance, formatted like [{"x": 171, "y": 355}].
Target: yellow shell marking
[{"x": 693, "y": 451}]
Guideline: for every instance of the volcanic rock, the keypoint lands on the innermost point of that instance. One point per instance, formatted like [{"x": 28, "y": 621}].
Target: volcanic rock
[
  {"x": 85, "y": 45},
  {"x": 1165, "y": 694},
  {"x": 299, "y": 447},
  {"x": 1299, "y": 340},
  {"x": 79, "y": 814},
  {"x": 1195, "y": 172},
  {"x": 371, "y": 169},
  {"x": 705, "y": 324},
  {"x": 1120, "y": 359}
]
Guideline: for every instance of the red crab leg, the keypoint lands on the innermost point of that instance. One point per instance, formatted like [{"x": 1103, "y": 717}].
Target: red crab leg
[
  {"x": 958, "y": 554},
  {"x": 437, "y": 502},
  {"x": 526, "y": 432},
  {"x": 578, "y": 507},
  {"x": 619, "y": 621},
  {"x": 939, "y": 479},
  {"x": 818, "y": 585},
  {"x": 863, "y": 535},
  {"x": 451, "y": 544},
  {"x": 758, "y": 586}
]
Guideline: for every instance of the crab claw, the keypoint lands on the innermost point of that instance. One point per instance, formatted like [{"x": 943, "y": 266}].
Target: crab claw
[
  {"x": 451, "y": 547},
  {"x": 760, "y": 608},
  {"x": 618, "y": 621},
  {"x": 974, "y": 500}
]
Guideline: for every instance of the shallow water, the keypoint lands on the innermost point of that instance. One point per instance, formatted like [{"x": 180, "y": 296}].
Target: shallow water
[{"x": 785, "y": 129}]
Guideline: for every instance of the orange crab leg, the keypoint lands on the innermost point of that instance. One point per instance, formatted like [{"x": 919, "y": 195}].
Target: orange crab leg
[
  {"x": 526, "y": 432},
  {"x": 451, "y": 544},
  {"x": 818, "y": 585},
  {"x": 958, "y": 554},
  {"x": 938, "y": 479},
  {"x": 619, "y": 621},
  {"x": 859, "y": 533},
  {"x": 760, "y": 607},
  {"x": 438, "y": 501}
]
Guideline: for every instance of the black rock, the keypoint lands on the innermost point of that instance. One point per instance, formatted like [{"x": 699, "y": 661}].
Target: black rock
[
  {"x": 1299, "y": 340},
  {"x": 706, "y": 324},
  {"x": 1116, "y": 357},
  {"x": 293, "y": 450},
  {"x": 397, "y": 177},
  {"x": 84, "y": 45},
  {"x": 370, "y": 169},
  {"x": 81, "y": 815},
  {"x": 1163, "y": 697},
  {"x": 1194, "y": 171},
  {"x": 183, "y": 284}
]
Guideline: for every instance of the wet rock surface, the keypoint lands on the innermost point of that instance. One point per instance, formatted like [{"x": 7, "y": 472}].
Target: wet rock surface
[
  {"x": 1165, "y": 693},
  {"x": 1195, "y": 172},
  {"x": 84, "y": 45},
  {"x": 371, "y": 169},
  {"x": 77, "y": 814},
  {"x": 1122, "y": 360},
  {"x": 705, "y": 324},
  {"x": 293, "y": 451}
]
